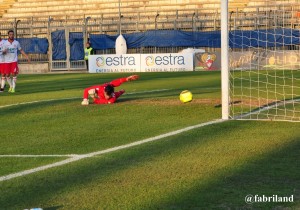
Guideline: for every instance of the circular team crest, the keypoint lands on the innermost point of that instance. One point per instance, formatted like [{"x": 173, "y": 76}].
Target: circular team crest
[
  {"x": 208, "y": 59},
  {"x": 149, "y": 61},
  {"x": 100, "y": 61}
]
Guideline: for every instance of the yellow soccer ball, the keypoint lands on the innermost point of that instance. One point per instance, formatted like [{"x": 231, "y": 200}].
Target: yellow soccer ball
[{"x": 186, "y": 96}]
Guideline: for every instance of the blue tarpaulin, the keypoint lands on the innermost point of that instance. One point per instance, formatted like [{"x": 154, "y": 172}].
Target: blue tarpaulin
[
  {"x": 175, "y": 38},
  {"x": 159, "y": 38},
  {"x": 34, "y": 45},
  {"x": 264, "y": 38},
  {"x": 76, "y": 46},
  {"x": 59, "y": 45}
]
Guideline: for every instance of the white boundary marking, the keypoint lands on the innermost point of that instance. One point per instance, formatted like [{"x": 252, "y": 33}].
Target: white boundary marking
[
  {"x": 60, "y": 99},
  {"x": 33, "y": 102},
  {"x": 265, "y": 108},
  {"x": 101, "y": 152},
  {"x": 76, "y": 157},
  {"x": 29, "y": 156}
]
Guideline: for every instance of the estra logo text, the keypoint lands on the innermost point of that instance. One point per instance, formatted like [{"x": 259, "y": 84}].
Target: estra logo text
[
  {"x": 118, "y": 60},
  {"x": 165, "y": 60}
]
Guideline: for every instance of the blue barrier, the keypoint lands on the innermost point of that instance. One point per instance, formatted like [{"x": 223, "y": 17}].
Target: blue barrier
[
  {"x": 160, "y": 38},
  {"x": 34, "y": 45},
  {"x": 175, "y": 38},
  {"x": 59, "y": 45},
  {"x": 76, "y": 46}
]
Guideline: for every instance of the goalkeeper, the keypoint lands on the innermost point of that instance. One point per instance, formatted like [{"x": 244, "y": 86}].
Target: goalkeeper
[{"x": 105, "y": 94}]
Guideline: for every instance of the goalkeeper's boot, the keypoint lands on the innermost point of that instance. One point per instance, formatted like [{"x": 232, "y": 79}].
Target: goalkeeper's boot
[
  {"x": 2, "y": 89},
  {"x": 12, "y": 90}
]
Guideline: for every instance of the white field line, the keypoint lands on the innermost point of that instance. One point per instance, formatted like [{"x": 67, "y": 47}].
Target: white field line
[
  {"x": 33, "y": 102},
  {"x": 101, "y": 152},
  {"x": 29, "y": 156},
  {"x": 48, "y": 100},
  {"x": 262, "y": 109},
  {"x": 60, "y": 99}
]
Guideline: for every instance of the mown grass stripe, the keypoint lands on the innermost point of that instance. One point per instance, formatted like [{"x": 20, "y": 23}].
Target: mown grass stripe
[
  {"x": 76, "y": 158},
  {"x": 34, "y": 156},
  {"x": 61, "y": 99}
]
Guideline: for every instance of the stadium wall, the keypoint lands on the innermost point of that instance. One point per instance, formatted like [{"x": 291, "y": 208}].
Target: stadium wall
[{"x": 35, "y": 68}]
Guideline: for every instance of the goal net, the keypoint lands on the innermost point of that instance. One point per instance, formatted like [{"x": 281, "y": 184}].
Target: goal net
[{"x": 264, "y": 61}]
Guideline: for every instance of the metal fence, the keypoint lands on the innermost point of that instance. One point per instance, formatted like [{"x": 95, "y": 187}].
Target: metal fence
[{"x": 111, "y": 24}]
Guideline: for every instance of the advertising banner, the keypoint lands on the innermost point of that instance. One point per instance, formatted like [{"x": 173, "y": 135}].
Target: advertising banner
[
  {"x": 243, "y": 60},
  {"x": 167, "y": 62},
  {"x": 114, "y": 63},
  {"x": 265, "y": 60},
  {"x": 207, "y": 61},
  {"x": 289, "y": 60}
]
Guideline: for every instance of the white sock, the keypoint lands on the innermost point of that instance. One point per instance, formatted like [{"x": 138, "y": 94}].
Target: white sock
[
  {"x": 14, "y": 81},
  {"x": 8, "y": 81},
  {"x": 2, "y": 82}
]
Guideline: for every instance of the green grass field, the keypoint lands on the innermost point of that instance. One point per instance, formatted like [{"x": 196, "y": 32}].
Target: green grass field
[{"x": 210, "y": 167}]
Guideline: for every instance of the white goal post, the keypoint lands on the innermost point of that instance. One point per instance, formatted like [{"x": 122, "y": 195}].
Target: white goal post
[
  {"x": 225, "y": 59},
  {"x": 260, "y": 52}
]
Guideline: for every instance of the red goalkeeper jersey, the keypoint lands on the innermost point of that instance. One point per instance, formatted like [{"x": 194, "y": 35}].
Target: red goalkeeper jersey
[{"x": 99, "y": 89}]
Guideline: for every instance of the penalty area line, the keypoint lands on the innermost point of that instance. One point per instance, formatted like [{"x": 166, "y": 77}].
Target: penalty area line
[
  {"x": 266, "y": 108},
  {"x": 101, "y": 152},
  {"x": 29, "y": 156},
  {"x": 71, "y": 98},
  {"x": 62, "y": 99},
  {"x": 40, "y": 101}
]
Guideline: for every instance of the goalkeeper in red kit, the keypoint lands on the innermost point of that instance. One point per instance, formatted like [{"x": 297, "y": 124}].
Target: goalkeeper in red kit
[{"x": 105, "y": 94}]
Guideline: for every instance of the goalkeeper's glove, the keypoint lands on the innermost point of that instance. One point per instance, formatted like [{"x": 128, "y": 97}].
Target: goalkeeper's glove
[
  {"x": 132, "y": 78},
  {"x": 85, "y": 102}
]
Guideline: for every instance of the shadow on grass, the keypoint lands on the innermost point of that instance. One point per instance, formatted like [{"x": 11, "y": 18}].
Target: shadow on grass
[
  {"x": 274, "y": 173},
  {"x": 54, "y": 208},
  {"x": 277, "y": 173},
  {"x": 38, "y": 188}
]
